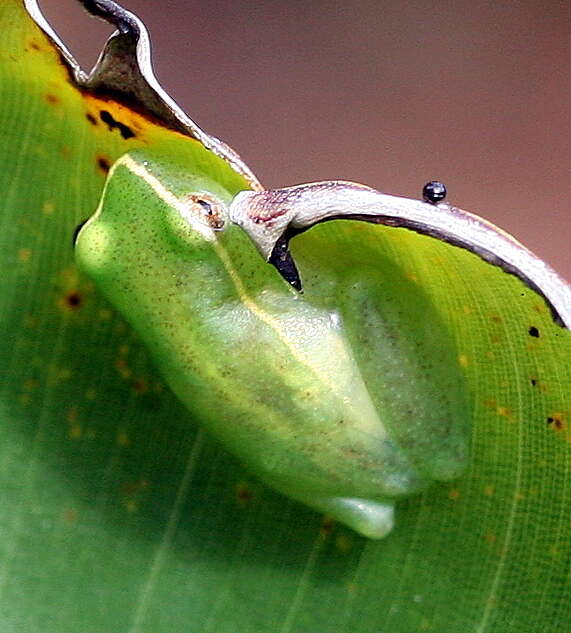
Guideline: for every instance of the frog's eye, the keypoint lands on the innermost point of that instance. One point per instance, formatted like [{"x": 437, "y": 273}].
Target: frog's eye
[{"x": 209, "y": 209}]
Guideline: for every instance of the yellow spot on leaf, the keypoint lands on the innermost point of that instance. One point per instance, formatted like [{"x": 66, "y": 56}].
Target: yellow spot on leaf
[
  {"x": 105, "y": 315},
  {"x": 343, "y": 543},
  {"x": 30, "y": 321},
  {"x": 489, "y": 491},
  {"x": 352, "y": 588},
  {"x": 63, "y": 374},
  {"x": 30, "y": 384},
  {"x": 505, "y": 412},
  {"x": 75, "y": 431},
  {"x": 123, "y": 439},
  {"x": 24, "y": 254},
  {"x": 121, "y": 366},
  {"x": 554, "y": 551},
  {"x": 454, "y": 494},
  {"x": 490, "y": 538},
  {"x": 48, "y": 207},
  {"x": 131, "y": 506},
  {"x": 463, "y": 360},
  {"x": 425, "y": 624},
  {"x": 70, "y": 515},
  {"x": 91, "y": 394}
]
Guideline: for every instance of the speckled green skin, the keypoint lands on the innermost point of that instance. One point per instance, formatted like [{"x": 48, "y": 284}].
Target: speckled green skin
[{"x": 340, "y": 397}]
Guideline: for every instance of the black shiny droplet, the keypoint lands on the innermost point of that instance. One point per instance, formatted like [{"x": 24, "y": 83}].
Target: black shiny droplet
[{"x": 433, "y": 192}]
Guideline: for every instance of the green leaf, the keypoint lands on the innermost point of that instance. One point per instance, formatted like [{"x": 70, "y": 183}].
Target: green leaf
[{"x": 118, "y": 515}]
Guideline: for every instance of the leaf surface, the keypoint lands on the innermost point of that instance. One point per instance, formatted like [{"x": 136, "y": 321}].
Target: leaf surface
[{"x": 119, "y": 515}]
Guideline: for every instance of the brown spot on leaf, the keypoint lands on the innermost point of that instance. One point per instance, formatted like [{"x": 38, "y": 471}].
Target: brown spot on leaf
[
  {"x": 112, "y": 123},
  {"x": 133, "y": 488},
  {"x": 24, "y": 254},
  {"x": 123, "y": 369},
  {"x": 70, "y": 515},
  {"x": 91, "y": 118},
  {"x": 327, "y": 525},
  {"x": 556, "y": 421},
  {"x": 103, "y": 164},
  {"x": 140, "y": 386},
  {"x": 243, "y": 494},
  {"x": 52, "y": 99},
  {"x": 74, "y": 427},
  {"x": 505, "y": 412},
  {"x": 72, "y": 300},
  {"x": 30, "y": 384},
  {"x": 122, "y": 439}
]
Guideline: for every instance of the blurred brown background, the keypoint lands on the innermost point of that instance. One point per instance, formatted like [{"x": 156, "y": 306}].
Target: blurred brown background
[{"x": 391, "y": 94}]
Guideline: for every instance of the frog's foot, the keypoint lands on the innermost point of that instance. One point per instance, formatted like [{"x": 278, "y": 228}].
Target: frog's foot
[{"x": 372, "y": 519}]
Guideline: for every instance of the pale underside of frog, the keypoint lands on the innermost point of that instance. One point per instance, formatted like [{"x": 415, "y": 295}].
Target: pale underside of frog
[{"x": 325, "y": 386}]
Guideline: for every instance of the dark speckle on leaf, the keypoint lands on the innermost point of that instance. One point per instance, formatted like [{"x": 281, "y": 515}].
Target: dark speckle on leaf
[
  {"x": 243, "y": 494},
  {"x": 107, "y": 118},
  {"x": 91, "y": 118},
  {"x": 533, "y": 331},
  {"x": 327, "y": 525},
  {"x": 103, "y": 164},
  {"x": 52, "y": 99},
  {"x": 556, "y": 421},
  {"x": 73, "y": 300}
]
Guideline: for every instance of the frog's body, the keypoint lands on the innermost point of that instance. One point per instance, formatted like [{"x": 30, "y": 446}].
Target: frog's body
[{"x": 329, "y": 396}]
